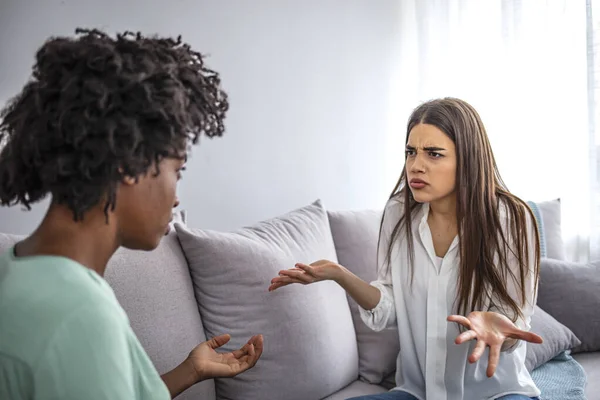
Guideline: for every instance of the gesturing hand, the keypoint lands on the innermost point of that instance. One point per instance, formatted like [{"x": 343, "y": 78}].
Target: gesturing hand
[
  {"x": 490, "y": 329},
  {"x": 305, "y": 274},
  {"x": 210, "y": 364}
]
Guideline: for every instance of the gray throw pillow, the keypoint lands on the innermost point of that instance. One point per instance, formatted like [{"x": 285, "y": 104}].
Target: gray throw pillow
[
  {"x": 557, "y": 338},
  {"x": 310, "y": 344},
  {"x": 355, "y": 234},
  {"x": 570, "y": 292}
]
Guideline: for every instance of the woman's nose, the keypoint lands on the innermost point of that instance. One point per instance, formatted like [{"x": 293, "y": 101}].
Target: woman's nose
[{"x": 418, "y": 165}]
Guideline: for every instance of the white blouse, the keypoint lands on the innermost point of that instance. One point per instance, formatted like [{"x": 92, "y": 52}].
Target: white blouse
[{"x": 430, "y": 365}]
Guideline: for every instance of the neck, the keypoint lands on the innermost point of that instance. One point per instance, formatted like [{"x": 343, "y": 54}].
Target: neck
[
  {"x": 90, "y": 242},
  {"x": 444, "y": 209}
]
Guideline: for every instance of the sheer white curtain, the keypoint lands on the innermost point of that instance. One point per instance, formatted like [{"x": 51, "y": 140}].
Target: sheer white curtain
[
  {"x": 523, "y": 65},
  {"x": 593, "y": 29}
]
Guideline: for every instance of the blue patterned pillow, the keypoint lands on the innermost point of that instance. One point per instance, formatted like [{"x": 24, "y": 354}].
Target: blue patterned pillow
[{"x": 540, "y": 225}]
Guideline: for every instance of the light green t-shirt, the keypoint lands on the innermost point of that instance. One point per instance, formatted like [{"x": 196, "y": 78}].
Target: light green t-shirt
[{"x": 63, "y": 335}]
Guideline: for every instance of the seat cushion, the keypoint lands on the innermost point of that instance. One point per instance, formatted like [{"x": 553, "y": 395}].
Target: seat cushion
[
  {"x": 356, "y": 388},
  {"x": 591, "y": 364},
  {"x": 309, "y": 340}
]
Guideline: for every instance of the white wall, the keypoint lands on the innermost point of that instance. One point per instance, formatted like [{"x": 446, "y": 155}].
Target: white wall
[{"x": 311, "y": 86}]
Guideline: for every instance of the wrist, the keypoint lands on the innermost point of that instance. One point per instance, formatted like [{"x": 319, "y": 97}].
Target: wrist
[
  {"x": 181, "y": 377},
  {"x": 339, "y": 274},
  {"x": 190, "y": 373}
]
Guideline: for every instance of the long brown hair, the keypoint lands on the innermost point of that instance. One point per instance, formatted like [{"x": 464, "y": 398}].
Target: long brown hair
[{"x": 480, "y": 193}]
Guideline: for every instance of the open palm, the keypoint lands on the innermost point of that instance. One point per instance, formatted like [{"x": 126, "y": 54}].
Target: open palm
[
  {"x": 491, "y": 330},
  {"x": 208, "y": 363},
  {"x": 306, "y": 274}
]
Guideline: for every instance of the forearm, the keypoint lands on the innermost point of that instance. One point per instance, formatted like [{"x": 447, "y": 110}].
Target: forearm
[
  {"x": 180, "y": 378},
  {"x": 366, "y": 295}
]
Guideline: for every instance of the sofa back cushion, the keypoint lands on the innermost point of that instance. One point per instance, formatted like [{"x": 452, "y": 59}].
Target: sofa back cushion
[
  {"x": 570, "y": 292},
  {"x": 155, "y": 289},
  {"x": 355, "y": 234},
  {"x": 309, "y": 340}
]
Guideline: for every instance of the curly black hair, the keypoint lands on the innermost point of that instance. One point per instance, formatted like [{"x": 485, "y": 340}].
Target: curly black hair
[{"x": 99, "y": 108}]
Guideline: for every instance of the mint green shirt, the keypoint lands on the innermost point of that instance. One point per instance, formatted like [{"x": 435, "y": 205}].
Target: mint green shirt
[{"x": 63, "y": 335}]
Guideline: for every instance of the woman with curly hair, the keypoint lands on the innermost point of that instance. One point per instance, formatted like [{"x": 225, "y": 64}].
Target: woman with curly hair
[{"x": 103, "y": 127}]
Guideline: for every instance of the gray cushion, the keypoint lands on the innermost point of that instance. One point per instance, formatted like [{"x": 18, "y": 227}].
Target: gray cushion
[
  {"x": 570, "y": 292},
  {"x": 355, "y": 234},
  {"x": 155, "y": 289},
  {"x": 551, "y": 214},
  {"x": 310, "y": 344},
  {"x": 557, "y": 338}
]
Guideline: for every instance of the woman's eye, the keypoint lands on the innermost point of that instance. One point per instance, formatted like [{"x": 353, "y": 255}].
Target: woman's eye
[
  {"x": 433, "y": 154},
  {"x": 409, "y": 153}
]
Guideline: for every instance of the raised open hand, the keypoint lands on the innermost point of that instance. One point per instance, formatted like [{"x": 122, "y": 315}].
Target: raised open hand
[
  {"x": 208, "y": 363},
  {"x": 490, "y": 329},
  {"x": 305, "y": 274}
]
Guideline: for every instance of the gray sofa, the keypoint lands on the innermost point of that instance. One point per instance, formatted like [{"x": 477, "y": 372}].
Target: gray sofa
[{"x": 200, "y": 283}]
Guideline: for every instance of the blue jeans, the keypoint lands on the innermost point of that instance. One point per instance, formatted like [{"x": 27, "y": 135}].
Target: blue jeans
[
  {"x": 400, "y": 395},
  {"x": 391, "y": 395}
]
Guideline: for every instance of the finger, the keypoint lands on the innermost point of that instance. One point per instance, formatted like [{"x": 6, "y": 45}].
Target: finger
[
  {"x": 526, "y": 336},
  {"x": 299, "y": 275},
  {"x": 464, "y": 321},
  {"x": 465, "y": 337},
  {"x": 241, "y": 352},
  {"x": 285, "y": 279},
  {"x": 283, "y": 272},
  {"x": 477, "y": 351},
  {"x": 255, "y": 340},
  {"x": 307, "y": 269},
  {"x": 253, "y": 357},
  {"x": 218, "y": 341},
  {"x": 279, "y": 284},
  {"x": 276, "y": 286},
  {"x": 259, "y": 343},
  {"x": 493, "y": 360}
]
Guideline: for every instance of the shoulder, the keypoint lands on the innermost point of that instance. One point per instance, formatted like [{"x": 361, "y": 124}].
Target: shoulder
[{"x": 51, "y": 302}]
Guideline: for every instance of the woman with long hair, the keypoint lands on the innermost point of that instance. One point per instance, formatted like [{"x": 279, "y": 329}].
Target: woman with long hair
[{"x": 458, "y": 266}]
